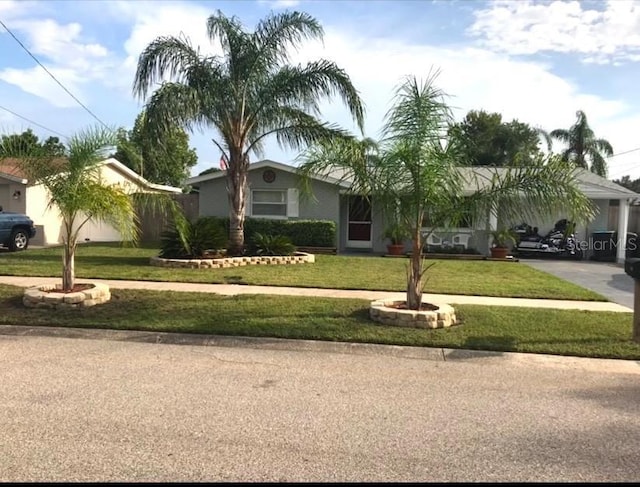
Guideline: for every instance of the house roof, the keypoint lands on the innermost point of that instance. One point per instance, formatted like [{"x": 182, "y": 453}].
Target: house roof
[
  {"x": 592, "y": 185},
  {"x": 118, "y": 166},
  {"x": 10, "y": 169},
  {"x": 332, "y": 177}
]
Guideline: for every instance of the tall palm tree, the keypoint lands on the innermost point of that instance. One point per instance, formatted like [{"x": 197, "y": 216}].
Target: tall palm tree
[
  {"x": 245, "y": 95},
  {"x": 414, "y": 175},
  {"x": 583, "y": 149}
]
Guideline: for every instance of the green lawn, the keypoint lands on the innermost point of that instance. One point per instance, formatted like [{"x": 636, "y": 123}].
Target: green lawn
[
  {"x": 482, "y": 278},
  {"x": 560, "y": 332}
]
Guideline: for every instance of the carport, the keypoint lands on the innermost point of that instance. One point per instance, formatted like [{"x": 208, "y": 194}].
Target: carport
[{"x": 608, "y": 195}]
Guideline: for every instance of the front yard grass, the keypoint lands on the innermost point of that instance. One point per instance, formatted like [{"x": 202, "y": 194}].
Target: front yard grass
[
  {"x": 481, "y": 278},
  {"x": 559, "y": 332}
]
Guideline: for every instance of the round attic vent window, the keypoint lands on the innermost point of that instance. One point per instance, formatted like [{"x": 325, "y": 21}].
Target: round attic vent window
[{"x": 269, "y": 176}]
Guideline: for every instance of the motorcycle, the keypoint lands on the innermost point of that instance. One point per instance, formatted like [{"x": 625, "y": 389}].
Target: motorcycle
[{"x": 561, "y": 241}]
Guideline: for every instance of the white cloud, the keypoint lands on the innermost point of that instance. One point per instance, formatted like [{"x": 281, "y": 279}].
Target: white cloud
[
  {"x": 277, "y": 4},
  {"x": 610, "y": 34},
  {"x": 37, "y": 82},
  {"x": 14, "y": 8},
  {"x": 476, "y": 79},
  {"x": 61, "y": 49},
  {"x": 60, "y": 43},
  {"x": 165, "y": 19}
]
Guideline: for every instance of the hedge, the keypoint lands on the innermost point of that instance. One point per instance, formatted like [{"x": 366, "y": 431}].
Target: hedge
[{"x": 303, "y": 233}]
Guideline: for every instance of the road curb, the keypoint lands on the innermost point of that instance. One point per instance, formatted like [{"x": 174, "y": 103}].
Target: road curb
[
  {"x": 318, "y": 346},
  {"x": 225, "y": 341}
]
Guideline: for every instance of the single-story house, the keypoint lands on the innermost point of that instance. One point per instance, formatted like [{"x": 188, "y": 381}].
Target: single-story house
[
  {"x": 274, "y": 193},
  {"x": 19, "y": 195}
]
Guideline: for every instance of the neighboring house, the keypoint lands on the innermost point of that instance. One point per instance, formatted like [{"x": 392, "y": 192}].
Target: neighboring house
[
  {"x": 274, "y": 193},
  {"x": 19, "y": 195}
]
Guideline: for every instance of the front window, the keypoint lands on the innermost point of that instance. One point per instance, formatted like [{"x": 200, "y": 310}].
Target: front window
[{"x": 269, "y": 203}]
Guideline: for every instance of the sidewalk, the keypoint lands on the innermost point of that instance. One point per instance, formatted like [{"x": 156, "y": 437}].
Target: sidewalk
[{"x": 235, "y": 289}]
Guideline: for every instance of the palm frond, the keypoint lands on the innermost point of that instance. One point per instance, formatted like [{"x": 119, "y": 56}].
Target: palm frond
[
  {"x": 164, "y": 57},
  {"x": 543, "y": 188},
  {"x": 561, "y": 134},
  {"x": 598, "y": 163},
  {"x": 277, "y": 32},
  {"x": 603, "y": 147},
  {"x": 293, "y": 128},
  {"x": 419, "y": 112},
  {"x": 173, "y": 104},
  {"x": 546, "y": 137}
]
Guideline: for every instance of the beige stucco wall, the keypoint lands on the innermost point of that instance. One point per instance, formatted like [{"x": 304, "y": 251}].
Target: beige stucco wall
[
  {"x": 49, "y": 223},
  {"x": 8, "y": 203},
  {"x": 47, "y": 220}
]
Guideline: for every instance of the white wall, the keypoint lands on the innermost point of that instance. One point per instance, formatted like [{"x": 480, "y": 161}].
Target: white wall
[{"x": 49, "y": 222}]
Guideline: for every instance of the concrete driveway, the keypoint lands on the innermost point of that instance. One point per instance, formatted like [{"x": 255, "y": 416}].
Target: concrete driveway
[
  {"x": 605, "y": 278},
  {"x": 103, "y": 410}
]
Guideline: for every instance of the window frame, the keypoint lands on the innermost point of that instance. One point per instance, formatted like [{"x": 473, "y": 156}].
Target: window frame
[{"x": 279, "y": 204}]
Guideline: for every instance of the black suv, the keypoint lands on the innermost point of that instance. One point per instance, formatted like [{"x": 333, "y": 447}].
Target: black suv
[{"x": 15, "y": 230}]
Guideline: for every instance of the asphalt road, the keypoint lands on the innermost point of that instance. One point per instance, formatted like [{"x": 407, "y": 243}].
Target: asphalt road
[{"x": 101, "y": 410}]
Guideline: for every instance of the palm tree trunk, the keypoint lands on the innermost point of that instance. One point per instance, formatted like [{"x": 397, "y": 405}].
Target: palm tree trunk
[
  {"x": 237, "y": 190},
  {"x": 414, "y": 274},
  {"x": 68, "y": 266}
]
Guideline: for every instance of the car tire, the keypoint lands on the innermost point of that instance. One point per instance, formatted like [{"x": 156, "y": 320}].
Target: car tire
[{"x": 19, "y": 240}]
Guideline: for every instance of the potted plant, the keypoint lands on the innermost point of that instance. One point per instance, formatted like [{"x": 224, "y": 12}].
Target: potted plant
[
  {"x": 501, "y": 239},
  {"x": 397, "y": 234}
]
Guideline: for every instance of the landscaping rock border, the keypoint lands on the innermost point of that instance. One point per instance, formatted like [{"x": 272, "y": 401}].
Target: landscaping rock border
[
  {"x": 43, "y": 297},
  {"x": 383, "y": 311},
  {"x": 225, "y": 262}
]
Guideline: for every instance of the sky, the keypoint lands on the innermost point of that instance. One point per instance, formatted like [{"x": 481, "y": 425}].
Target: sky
[{"x": 534, "y": 61}]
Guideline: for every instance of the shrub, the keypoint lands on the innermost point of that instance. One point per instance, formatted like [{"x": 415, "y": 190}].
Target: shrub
[
  {"x": 192, "y": 239},
  {"x": 303, "y": 233},
  {"x": 271, "y": 245}
]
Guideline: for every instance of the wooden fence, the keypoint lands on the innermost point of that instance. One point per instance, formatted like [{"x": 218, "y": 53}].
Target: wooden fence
[
  {"x": 152, "y": 224},
  {"x": 634, "y": 218}
]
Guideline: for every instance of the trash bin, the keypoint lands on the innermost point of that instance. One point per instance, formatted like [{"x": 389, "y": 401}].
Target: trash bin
[
  {"x": 633, "y": 246},
  {"x": 604, "y": 246}
]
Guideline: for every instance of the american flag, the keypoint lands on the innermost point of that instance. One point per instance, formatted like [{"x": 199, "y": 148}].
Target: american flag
[{"x": 223, "y": 163}]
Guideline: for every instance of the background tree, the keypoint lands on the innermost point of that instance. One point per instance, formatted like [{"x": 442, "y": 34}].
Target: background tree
[
  {"x": 166, "y": 161},
  {"x": 247, "y": 94},
  {"x": 415, "y": 174},
  {"x": 485, "y": 140},
  {"x": 627, "y": 182},
  {"x": 582, "y": 147},
  {"x": 28, "y": 142}
]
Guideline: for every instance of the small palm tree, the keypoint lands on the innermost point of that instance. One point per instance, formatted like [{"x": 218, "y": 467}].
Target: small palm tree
[
  {"x": 75, "y": 188},
  {"x": 246, "y": 95},
  {"x": 583, "y": 149},
  {"x": 414, "y": 174}
]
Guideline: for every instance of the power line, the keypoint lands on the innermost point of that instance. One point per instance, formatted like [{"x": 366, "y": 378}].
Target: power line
[
  {"x": 621, "y": 170},
  {"x": 625, "y": 152},
  {"x": 34, "y": 123},
  {"x": 52, "y": 76}
]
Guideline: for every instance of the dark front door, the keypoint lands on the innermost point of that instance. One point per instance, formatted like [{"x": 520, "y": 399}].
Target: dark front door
[{"x": 359, "y": 229}]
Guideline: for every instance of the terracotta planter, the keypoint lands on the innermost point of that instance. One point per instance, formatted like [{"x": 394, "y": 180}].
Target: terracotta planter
[
  {"x": 499, "y": 252},
  {"x": 395, "y": 249}
]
